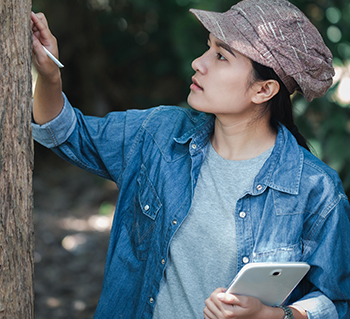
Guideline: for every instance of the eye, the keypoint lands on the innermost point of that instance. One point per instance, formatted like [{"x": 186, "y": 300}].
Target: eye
[{"x": 220, "y": 57}]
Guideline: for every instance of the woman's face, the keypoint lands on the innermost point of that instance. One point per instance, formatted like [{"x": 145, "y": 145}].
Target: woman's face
[{"x": 221, "y": 82}]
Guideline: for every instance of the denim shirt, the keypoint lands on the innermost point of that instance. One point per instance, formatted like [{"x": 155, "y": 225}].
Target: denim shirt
[{"x": 296, "y": 210}]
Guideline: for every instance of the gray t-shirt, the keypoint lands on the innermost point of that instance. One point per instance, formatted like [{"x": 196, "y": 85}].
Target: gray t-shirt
[{"x": 203, "y": 252}]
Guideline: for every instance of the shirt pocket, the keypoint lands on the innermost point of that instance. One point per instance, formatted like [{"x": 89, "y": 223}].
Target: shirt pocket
[
  {"x": 285, "y": 253},
  {"x": 142, "y": 222}
]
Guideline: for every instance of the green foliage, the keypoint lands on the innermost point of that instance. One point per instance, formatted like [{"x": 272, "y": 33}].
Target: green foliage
[{"x": 123, "y": 54}]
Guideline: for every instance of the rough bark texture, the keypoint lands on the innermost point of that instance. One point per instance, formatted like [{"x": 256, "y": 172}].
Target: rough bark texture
[{"x": 16, "y": 162}]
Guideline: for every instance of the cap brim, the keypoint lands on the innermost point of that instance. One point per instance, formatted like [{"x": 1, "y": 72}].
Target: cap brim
[{"x": 225, "y": 26}]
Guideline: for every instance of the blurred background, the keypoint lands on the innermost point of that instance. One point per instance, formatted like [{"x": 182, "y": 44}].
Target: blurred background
[{"x": 122, "y": 54}]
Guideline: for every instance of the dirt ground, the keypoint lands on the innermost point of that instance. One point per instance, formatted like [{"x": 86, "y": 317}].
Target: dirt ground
[{"x": 72, "y": 215}]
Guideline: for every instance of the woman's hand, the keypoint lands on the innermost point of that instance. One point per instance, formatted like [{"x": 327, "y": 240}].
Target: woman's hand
[
  {"x": 224, "y": 306},
  {"x": 48, "y": 99},
  {"x": 43, "y": 36}
]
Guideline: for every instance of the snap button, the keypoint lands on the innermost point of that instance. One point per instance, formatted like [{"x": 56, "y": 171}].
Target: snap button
[
  {"x": 174, "y": 222},
  {"x": 242, "y": 214},
  {"x": 259, "y": 187},
  {"x": 151, "y": 300},
  {"x": 146, "y": 207},
  {"x": 194, "y": 146},
  {"x": 163, "y": 261},
  {"x": 245, "y": 260}
]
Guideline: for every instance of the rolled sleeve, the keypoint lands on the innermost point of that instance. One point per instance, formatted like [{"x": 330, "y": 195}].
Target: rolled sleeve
[
  {"x": 58, "y": 130},
  {"x": 318, "y": 306}
]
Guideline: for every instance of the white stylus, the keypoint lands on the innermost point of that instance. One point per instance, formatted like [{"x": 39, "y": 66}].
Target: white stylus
[{"x": 49, "y": 54}]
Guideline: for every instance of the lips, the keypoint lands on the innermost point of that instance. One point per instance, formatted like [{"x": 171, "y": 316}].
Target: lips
[{"x": 195, "y": 85}]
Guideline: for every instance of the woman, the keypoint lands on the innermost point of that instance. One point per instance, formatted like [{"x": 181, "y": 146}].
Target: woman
[{"x": 172, "y": 245}]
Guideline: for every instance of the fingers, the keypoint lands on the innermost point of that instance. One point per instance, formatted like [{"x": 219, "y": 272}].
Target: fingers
[
  {"x": 228, "y": 298},
  {"x": 39, "y": 19},
  {"x": 41, "y": 30},
  {"x": 42, "y": 36},
  {"x": 39, "y": 23},
  {"x": 222, "y": 312},
  {"x": 42, "y": 18},
  {"x": 222, "y": 305},
  {"x": 218, "y": 305}
]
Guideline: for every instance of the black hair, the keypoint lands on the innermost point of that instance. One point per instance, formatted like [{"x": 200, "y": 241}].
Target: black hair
[{"x": 280, "y": 106}]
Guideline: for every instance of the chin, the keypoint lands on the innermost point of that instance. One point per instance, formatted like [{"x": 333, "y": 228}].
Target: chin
[{"x": 191, "y": 102}]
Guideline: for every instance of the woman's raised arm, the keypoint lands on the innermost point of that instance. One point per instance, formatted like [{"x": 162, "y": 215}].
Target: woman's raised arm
[{"x": 48, "y": 100}]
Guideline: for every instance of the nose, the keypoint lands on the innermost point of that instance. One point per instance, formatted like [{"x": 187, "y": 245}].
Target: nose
[{"x": 199, "y": 64}]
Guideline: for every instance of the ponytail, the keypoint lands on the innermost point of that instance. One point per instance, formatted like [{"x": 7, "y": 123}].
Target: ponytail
[{"x": 280, "y": 106}]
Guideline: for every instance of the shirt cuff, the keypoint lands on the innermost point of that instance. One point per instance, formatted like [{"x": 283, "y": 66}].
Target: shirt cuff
[
  {"x": 58, "y": 130},
  {"x": 317, "y": 306}
]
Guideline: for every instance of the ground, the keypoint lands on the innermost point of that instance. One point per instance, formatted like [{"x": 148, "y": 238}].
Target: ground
[{"x": 72, "y": 216}]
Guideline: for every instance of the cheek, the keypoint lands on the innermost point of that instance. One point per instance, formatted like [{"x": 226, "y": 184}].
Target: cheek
[
  {"x": 231, "y": 89},
  {"x": 237, "y": 80}
]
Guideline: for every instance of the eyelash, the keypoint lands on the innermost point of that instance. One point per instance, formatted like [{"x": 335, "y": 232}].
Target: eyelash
[{"x": 219, "y": 56}]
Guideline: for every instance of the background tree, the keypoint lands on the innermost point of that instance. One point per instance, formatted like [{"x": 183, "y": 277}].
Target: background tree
[{"x": 16, "y": 159}]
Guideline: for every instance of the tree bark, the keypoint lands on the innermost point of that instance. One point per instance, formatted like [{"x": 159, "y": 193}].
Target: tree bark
[{"x": 16, "y": 162}]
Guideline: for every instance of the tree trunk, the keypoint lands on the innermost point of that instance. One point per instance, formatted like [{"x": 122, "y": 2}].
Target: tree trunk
[{"x": 16, "y": 162}]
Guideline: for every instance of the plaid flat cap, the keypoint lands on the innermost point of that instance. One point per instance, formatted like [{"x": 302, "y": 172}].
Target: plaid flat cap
[{"x": 276, "y": 34}]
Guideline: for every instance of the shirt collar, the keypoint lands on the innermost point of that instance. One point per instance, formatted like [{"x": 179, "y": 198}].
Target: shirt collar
[
  {"x": 282, "y": 170},
  {"x": 199, "y": 135}
]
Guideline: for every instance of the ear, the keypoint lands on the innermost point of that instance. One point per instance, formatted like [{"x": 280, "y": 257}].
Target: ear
[{"x": 265, "y": 91}]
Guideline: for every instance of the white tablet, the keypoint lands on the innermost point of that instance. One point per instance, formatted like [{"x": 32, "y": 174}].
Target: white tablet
[{"x": 271, "y": 283}]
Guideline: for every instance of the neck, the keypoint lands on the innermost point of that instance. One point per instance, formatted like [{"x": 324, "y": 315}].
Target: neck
[{"x": 241, "y": 140}]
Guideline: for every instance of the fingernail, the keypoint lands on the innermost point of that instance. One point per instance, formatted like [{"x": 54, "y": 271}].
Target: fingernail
[{"x": 221, "y": 295}]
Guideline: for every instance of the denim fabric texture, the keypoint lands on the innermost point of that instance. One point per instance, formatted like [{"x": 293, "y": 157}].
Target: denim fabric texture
[{"x": 296, "y": 210}]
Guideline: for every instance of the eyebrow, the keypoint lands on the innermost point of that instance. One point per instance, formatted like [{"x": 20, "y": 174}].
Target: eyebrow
[{"x": 223, "y": 45}]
